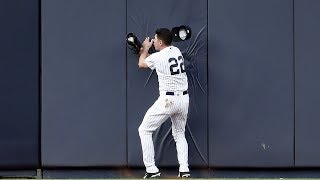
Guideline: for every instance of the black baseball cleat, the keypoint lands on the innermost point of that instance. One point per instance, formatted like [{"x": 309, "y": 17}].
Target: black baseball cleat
[
  {"x": 184, "y": 175},
  {"x": 151, "y": 175}
]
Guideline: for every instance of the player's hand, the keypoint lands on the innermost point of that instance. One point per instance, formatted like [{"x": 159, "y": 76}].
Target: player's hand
[{"x": 147, "y": 44}]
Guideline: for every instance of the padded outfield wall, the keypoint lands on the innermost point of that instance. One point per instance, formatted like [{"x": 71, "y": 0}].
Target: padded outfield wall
[{"x": 73, "y": 96}]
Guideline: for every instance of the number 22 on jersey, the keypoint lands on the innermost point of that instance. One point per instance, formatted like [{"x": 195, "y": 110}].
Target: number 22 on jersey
[{"x": 177, "y": 66}]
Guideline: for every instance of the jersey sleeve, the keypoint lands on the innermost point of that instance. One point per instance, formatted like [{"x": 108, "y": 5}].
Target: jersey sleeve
[{"x": 151, "y": 61}]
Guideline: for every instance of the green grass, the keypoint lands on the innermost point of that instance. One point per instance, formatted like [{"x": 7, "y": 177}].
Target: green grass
[{"x": 188, "y": 179}]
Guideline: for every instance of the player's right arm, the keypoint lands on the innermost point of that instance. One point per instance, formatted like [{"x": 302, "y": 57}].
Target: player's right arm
[
  {"x": 142, "y": 63},
  {"x": 144, "y": 52}
]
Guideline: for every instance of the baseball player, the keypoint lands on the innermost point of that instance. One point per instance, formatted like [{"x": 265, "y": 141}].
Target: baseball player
[{"x": 173, "y": 100}]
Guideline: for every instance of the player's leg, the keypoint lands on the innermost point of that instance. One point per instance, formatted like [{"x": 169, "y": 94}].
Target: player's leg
[
  {"x": 153, "y": 118},
  {"x": 179, "y": 121}
]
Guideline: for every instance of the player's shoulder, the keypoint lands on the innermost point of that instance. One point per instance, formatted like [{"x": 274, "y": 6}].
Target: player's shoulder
[
  {"x": 154, "y": 55},
  {"x": 172, "y": 49},
  {"x": 176, "y": 50}
]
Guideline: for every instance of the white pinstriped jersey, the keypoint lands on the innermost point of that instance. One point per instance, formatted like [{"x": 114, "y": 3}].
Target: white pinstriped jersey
[{"x": 169, "y": 65}]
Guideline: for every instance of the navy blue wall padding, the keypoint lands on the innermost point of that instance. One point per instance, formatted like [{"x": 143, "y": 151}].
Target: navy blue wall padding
[
  {"x": 253, "y": 69},
  {"x": 143, "y": 18},
  {"x": 83, "y": 83},
  {"x": 307, "y": 86},
  {"x": 19, "y": 77},
  {"x": 250, "y": 65}
]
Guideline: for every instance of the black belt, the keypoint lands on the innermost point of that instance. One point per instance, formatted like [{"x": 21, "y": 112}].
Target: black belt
[{"x": 172, "y": 93}]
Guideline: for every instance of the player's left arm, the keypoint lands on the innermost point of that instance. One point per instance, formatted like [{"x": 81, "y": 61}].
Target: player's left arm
[{"x": 144, "y": 52}]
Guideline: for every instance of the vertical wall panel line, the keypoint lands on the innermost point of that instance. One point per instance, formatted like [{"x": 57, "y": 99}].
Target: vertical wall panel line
[
  {"x": 40, "y": 80},
  {"x": 294, "y": 84},
  {"x": 127, "y": 161}
]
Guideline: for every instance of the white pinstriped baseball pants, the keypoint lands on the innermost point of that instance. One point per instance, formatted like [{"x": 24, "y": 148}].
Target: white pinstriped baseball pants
[{"x": 176, "y": 107}]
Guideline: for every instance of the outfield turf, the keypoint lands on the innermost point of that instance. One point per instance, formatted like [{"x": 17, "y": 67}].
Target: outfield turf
[{"x": 188, "y": 179}]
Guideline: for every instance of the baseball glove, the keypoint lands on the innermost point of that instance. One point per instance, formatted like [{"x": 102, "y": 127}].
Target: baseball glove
[{"x": 133, "y": 43}]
